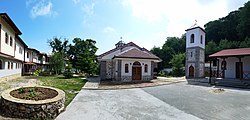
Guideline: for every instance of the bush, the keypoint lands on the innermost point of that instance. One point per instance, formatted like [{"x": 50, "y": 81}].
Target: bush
[
  {"x": 68, "y": 72},
  {"x": 37, "y": 72}
]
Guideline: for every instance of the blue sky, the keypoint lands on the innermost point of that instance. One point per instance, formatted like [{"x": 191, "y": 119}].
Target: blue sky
[{"x": 145, "y": 22}]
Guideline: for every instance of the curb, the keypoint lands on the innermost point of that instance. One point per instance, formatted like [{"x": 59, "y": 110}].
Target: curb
[{"x": 132, "y": 87}]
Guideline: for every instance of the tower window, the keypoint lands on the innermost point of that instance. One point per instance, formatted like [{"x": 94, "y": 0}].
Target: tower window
[
  {"x": 192, "y": 38},
  {"x": 201, "y": 39},
  {"x": 191, "y": 54}
]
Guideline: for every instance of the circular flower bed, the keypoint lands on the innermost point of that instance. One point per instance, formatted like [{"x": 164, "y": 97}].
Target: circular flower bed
[{"x": 33, "y": 102}]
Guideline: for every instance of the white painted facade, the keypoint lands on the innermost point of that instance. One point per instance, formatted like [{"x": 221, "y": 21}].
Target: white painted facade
[
  {"x": 230, "y": 71},
  {"x": 113, "y": 63},
  {"x": 199, "y": 38},
  {"x": 6, "y": 48},
  {"x": 19, "y": 51},
  {"x": 130, "y": 64}
]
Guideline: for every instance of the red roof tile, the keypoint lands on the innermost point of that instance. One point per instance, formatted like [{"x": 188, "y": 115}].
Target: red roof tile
[
  {"x": 232, "y": 52},
  {"x": 136, "y": 53}
]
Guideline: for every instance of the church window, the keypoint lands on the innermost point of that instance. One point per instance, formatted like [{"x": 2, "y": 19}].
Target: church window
[
  {"x": 146, "y": 68},
  {"x": 126, "y": 68}
]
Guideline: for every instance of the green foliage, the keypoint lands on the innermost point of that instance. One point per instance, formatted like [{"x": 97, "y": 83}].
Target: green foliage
[
  {"x": 21, "y": 90},
  {"x": 177, "y": 62},
  {"x": 32, "y": 92},
  {"x": 234, "y": 27},
  {"x": 82, "y": 55},
  {"x": 68, "y": 72},
  {"x": 57, "y": 62},
  {"x": 171, "y": 46},
  {"x": 69, "y": 86},
  {"x": 37, "y": 72},
  {"x": 58, "y": 45}
]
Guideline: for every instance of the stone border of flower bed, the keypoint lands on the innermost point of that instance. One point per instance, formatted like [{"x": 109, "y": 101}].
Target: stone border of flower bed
[{"x": 48, "y": 108}]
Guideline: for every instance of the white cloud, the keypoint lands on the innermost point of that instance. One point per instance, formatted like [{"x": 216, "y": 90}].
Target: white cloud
[
  {"x": 42, "y": 8},
  {"x": 88, "y": 8},
  {"x": 108, "y": 30},
  {"x": 76, "y": 1},
  {"x": 177, "y": 15}
]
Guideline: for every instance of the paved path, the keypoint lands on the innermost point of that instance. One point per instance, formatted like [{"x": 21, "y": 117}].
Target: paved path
[
  {"x": 92, "y": 83},
  {"x": 124, "y": 104},
  {"x": 200, "y": 101}
]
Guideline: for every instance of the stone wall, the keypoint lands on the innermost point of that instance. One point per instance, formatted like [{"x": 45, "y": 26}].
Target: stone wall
[
  {"x": 195, "y": 57},
  {"x": 103, "y": 70},
  {"x": 126, "y": 78},
  {"x": 31, "y": 109}
]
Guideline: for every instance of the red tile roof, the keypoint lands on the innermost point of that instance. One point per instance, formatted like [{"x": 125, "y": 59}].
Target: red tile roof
[
  {"x": 232, "y": 52},
  {"x": 142, "y": 53},
  {"x": 136, "y": 53}
]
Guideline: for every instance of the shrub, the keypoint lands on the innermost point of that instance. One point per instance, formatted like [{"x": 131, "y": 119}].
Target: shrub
[
  {"x": 68, "y": 72},
  {"x": 37, "y": 72}
]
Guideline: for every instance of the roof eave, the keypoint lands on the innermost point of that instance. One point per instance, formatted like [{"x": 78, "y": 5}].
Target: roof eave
[{"x": 10, "y": 22}]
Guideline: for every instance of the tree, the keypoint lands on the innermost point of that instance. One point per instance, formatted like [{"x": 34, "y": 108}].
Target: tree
[
  {"x": 58, "y": 45},
  {"x": 82, "y": 55},
  {"x": 177, "y": 62},
  {"x": 244, "y": 24},
  {"x": 57, "y": 62}
]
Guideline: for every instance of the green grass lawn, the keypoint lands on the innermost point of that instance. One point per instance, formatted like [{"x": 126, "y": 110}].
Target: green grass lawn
[{"x": 69, "y": 86}]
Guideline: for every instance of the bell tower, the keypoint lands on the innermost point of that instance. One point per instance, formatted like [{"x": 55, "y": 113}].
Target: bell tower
[{"x": 195, "y": 52}]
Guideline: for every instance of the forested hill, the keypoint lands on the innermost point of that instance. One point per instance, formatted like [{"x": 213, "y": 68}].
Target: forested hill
[{"x": 231, "y": 31}]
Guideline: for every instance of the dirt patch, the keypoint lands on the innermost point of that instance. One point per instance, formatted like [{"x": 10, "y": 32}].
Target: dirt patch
[
  {"x": 219, "y": 90},
  {"x": 34, "y": 93}
]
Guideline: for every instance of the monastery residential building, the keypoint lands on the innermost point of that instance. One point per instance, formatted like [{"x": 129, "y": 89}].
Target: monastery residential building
[
  {"x": 14, "y": 53},
  {"x": 127, "y": 62}
]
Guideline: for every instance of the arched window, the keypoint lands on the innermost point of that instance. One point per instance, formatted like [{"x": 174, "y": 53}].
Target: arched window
[
  {"x": 1, "y": 64},
  {"x": 136, "y": 63},
  {"x": 6, "y": 38},
  {"x": 146, "y": 68},
  {"x": 126, "y": 68},
  {"x": 201, "y": 39},
  {"x": 192, "y": 38}
]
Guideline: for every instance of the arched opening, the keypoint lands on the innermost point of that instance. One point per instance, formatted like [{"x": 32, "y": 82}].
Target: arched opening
[
  {"x": 192, "y": 38},
  {"x": 136, "y": 71},
  {"x": 191, "y": 71}
]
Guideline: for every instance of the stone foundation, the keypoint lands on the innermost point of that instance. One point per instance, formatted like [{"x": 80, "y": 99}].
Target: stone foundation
[{"x": 31, "y": 109}]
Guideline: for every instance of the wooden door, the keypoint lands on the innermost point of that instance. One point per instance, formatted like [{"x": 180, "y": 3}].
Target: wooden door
[
  {"x": 191, "y": 71},
  {"x": 238, "y": 70},
  {"x": 136, "y": 73}
]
